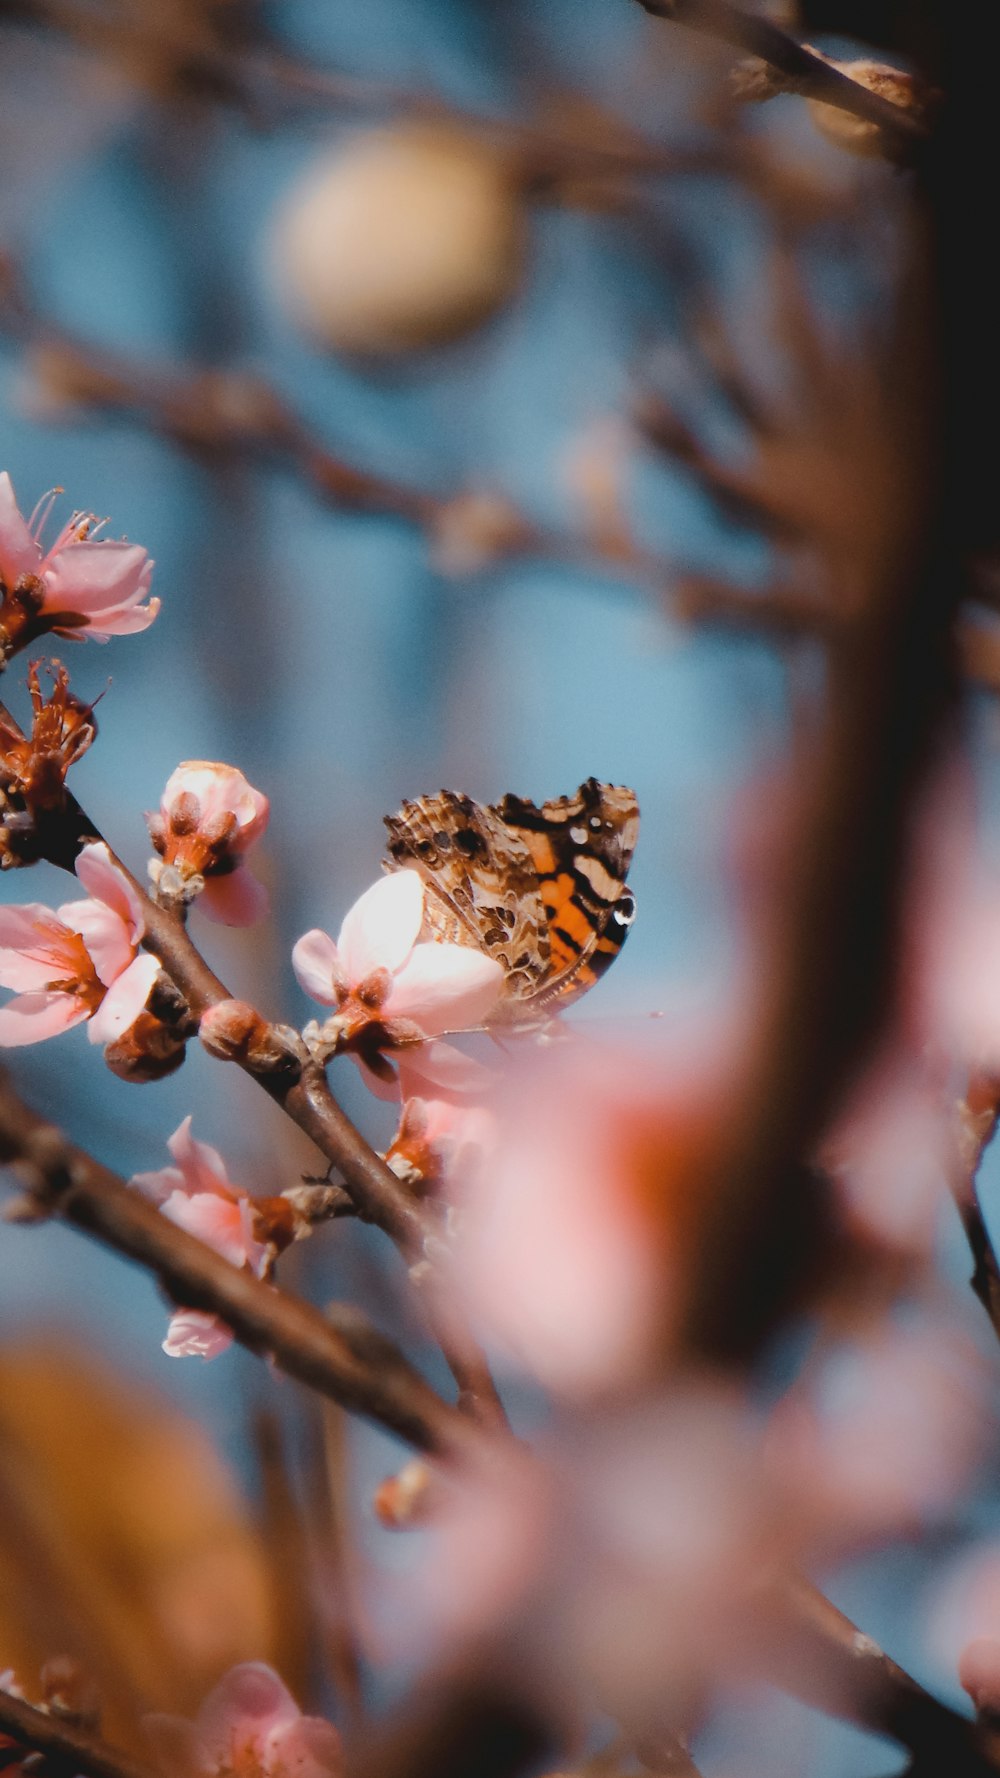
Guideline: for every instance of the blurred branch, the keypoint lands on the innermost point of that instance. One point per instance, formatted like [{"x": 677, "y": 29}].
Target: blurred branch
[
  {"x": 826, "y": 1661},
  {"x": 801, "y": 69},
  {"x": 183, "y": 52},
  {"x": 338, "y": 1353},
  {"x": 65, "y": 1749}
]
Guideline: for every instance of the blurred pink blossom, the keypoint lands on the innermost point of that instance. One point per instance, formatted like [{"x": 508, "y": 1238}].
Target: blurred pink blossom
[
  {"x": 564, "y": 1250},
  {"x": 889, "y": 1154},
  {"x": 621, "y": 1560},
  {"x": 979, "y": 1673},
  {"x": 389, "y": 987},
  {"x": 209, "y": 817},
  {"x": 963, "y": 1609},
  {"x": 248, "y": 1727},
  {"x": 197, "y": 1195},
  {"x": 80, "y": 961},
  {"x": 884, "y": 1436},
  {"x": 79, "y": 586}
]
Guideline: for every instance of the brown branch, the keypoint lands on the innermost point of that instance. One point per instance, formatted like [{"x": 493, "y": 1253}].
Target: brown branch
[
  {"x": 67, "y": 1750},
  {"x": 976, "y": 1118},
  {"x": 339, "y": 1353},
  {"x": 298, "y": 1084},
  {"x": 801, "y": 68}
]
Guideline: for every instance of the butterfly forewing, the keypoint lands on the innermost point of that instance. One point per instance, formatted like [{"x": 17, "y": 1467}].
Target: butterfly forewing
[
  {"x": 542, "y": 889},
  {"x": 481, "y": 885}
]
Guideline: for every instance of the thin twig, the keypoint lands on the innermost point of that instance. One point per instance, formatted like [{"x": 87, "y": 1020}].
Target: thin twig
[
  {"x": 299, "y": 1085},
  {"x": 976, "y": 1118},
  {"x": 824, "y": 1659},
  {"x": 67, "y": 1749},
  {"x": 807, "y": 72},
  {"x": 339, "y": 1353}
]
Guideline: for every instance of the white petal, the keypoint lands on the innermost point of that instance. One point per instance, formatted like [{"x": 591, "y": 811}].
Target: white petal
[
  {"x": 316, "y": 962},
  {"x": 123, "y": 1003},
  {"x": 445, "y": 988},
  {"x": 381, "y": 928}
]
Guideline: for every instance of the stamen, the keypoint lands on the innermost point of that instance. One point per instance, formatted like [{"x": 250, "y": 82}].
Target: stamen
[{"x": 39, "y": 518}]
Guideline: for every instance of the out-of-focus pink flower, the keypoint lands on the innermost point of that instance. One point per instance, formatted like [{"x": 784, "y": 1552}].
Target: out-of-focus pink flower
[
  {"x": 209, "y": 817},
  {"x": 889, "y": 1154},
  {"x": 979, "y": 1673},
  {"x": 962, "y": 1615},
  {"x": 389, "y": 987},
  {"x": 621, "y": 1559},
  {"x": 80, "y": 961},
  {"x": 198, "y": 1196},
  {"x": 80, "y": 586},
  {"x": 886, "y": 1438},
  {"x": 248, "y": 1727},
  {"x": 571, "y": 1244}
]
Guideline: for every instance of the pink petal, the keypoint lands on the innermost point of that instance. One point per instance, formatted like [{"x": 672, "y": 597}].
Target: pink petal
[
  {"x": 33, "y": 1017},
  {"x": 105, "y": 934},
  {"x": 105, "y": 881},
  {"x": 433, "y": 1068},
  {"x": 19, "y": 553},
  {"x": 445, "y": 988},
  {"x": 128, "y": 620},
  {"x": 306, "y": 1748},
  {"x": 316, "y": 962},
  {"x": 248, "y": 1702},
  {"x": 123, "y": 1002},
  {"x": 158, "y": 1186},
  {"x": 35, "y": 948},
  {"x": 235, "y": 900},
  {"x": 380, "y": 930},
  {"x": 192, "y": 1334},
  {"x": 101, "y": 581},
  {"x": 220, "y": 790},
  {"x": 386, "y": 1090},
  {"x": 202, "y": 1166},
  {"x": 216, "y": 1221}
]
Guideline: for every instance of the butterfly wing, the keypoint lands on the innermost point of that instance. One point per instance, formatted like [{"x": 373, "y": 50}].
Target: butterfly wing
[
  {"x": 481, "y": 887},
  {"x": 581, "y": 848}
]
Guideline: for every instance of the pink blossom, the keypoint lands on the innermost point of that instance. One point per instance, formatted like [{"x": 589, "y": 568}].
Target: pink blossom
[
  {"x": 78, "y": 962},
  {"x": 79, "y": 585},
  {"x": 979, "y": 1673},
  {"x": 560, "y": 1248},
  {"x": 962, "y": 1621},
  {"x": 388, "y": 986},
  {"x": 248, "y": 1727},
  {"x": 209, "y": 817},
  {"x": 197, "y": 1195},
  {"x": 885, "y": 1438}
]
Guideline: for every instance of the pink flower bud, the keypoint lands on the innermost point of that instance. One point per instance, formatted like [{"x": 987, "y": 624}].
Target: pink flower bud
[{"x": 208, "y": 819}]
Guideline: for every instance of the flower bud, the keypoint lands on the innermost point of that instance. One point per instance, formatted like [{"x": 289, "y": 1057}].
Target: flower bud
[
  {"x": 857, "y": 134},
  {"x": 209, "y": 817},
  {"x": 148, "y": 1050},
  {"x": 403, "y": 238},
  {"x": 234, "y": 1031},
  {"x": 406, "y": 1499}
]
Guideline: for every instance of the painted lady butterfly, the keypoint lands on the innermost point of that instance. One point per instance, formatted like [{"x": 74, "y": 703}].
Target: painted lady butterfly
[{"x": 540, "y": 889}]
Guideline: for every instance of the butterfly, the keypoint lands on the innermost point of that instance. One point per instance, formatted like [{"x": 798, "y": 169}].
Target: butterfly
[{"x": 540, "y": 889}]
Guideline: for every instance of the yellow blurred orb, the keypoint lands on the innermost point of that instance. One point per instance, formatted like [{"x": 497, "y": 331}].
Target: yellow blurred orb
[{"x": 400, "y": 238}]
